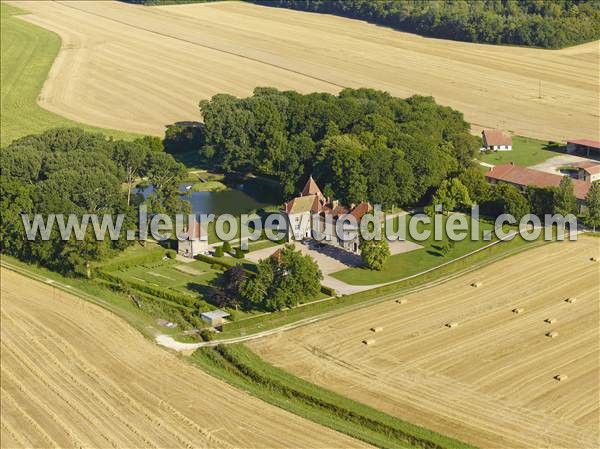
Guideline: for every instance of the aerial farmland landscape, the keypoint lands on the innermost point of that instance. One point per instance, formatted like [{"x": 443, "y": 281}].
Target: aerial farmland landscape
[{"x": 300, "y": 224}]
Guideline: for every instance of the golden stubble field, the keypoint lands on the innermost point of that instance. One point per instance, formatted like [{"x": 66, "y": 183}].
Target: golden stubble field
[
  {"x": 138, "y": 68},
  {"x": 490, "y": 380},
  {"x": 74, "y": 375}
]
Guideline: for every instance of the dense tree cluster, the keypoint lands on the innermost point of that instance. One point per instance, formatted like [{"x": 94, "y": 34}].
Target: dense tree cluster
[
  {"x": 285, "y": 279},
  {"x": 541, "y": 23},
  {"x": 68, "y": 171},
  {"x": 359, "y": 145}
]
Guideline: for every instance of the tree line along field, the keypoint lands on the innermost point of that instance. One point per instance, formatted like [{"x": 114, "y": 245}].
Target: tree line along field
[
  {"x": 74, "y": 375},
  {"x": 488, "y": 381},
  {"x": 137, "y": 68},
  {"x": 553, "y": 24},
  {"x": 28, "y": 52}
]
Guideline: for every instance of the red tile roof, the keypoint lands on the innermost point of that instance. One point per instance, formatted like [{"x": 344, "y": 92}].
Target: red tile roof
[
  {"x": 300, "y": 204},
  {"x": 586, "y": 164},
  {"x": 496, "y": 137},
  {"x": 593, "y": 170},
  {"x": 586, "y": 143},
  {"x": 523, "y": 176},
  {"x": 193, "y": 231},
  {"x": 359, "y": 211},
  {"x": 311, "y": 188},
  {"x": 277, "y": 255},
  {"x": 592, "y": 167}
]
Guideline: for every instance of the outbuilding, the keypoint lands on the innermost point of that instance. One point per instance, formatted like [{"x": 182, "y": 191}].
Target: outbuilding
[
  {"x": 193, "y": 241},
  {"x": 214, "y": 318},
  {"x": 584, "y": 147},
  {"x": 588, "y": 171},
  {"x": 496, "y": 140},
  {"x": 523, "y": 177}
]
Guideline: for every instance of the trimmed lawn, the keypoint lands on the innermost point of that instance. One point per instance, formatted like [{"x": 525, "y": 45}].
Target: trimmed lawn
[
  {"x": 407, "y": 264},
  {"x": 165, "y": 274},
  {"x": 525, "y": 152},
  {"x": 28, "y": 52}
]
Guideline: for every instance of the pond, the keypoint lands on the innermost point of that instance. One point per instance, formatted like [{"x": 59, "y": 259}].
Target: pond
[{"x": 239, "y": 200}]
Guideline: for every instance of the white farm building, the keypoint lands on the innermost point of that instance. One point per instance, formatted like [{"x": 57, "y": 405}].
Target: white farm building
[{"x": 496, "y": 140}]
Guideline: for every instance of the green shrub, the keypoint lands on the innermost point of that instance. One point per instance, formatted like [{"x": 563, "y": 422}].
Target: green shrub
[
  {"x": 227, "y": 247},
  {"x": 239, "y": 253},
  {"x": 171, "y": 254},
  {"x": 207, "y": 335},
  {"x": 219, "y": 251},
  {"x": 327, "y": 290}
]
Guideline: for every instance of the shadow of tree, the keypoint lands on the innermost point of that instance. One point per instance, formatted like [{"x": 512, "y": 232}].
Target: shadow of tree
[
  {"x": 205, "y": 291},
  {"x": 554, "y": 146}
]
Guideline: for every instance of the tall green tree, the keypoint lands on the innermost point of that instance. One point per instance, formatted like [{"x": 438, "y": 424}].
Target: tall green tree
[
  {"x": 511, "y": 201},
  {"x": 452, "y": 195},
  {"x": 477, "y": 186},
  {"x": 374, "y": 253},
  {"x": 166, "y": 174},
  {"x": 564, "y": 199},
  {"x": 131, "y": 157},
  {"x": 592, "y": 201},
  {"x": 341, "y": 167}
]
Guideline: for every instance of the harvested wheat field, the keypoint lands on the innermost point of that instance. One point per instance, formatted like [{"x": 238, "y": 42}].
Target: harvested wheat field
[
  {"x": 74, "y": 375},
  {"x": 139, "y": 68},
  {"x": 489, "y": 380}
]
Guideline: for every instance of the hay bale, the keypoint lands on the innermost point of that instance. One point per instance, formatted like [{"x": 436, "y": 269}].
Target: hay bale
[
  {"x": 452, "y": 324},
  {"x": 368, "y": 341},
  {"x": 561, "y": 377},
  {"x": 518, "y": 310},
  {"x": 376, "y": 329},
  {"x": 550, "y": 320},
  {"x": 552, "y": 334},
  {"x": 571, "y": 300},
  {"x": 477, "y": 284},
  {"x": 401, "y": 301}
]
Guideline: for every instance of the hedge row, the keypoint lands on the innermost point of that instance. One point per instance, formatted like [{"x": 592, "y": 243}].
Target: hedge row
[
  {"x": 153, "y": 256},
  {"x": 188, "y": 301},
  {"x": 214, "y": 260},
  {"x": 327, "y": 290},
  {"x": 225, "y": 263}
]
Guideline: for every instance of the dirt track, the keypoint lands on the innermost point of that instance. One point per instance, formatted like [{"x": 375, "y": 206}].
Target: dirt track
[
  {"x": 74, "y": 375},
  {"x": 488, "y": 381},
  {"x": 138, "y": 68}
]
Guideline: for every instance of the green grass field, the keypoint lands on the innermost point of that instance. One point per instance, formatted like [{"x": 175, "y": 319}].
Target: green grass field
[
  {"x": 27, "y": 55},
  {"x": 525, "y": 152},
  {"x": 243, "y": 369},
  {"x": 400, "y": 266}
]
